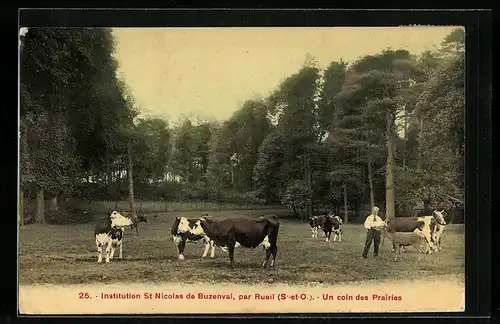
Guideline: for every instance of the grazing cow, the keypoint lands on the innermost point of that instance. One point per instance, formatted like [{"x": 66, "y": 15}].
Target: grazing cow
[
  {"x": 246, "y": 232},
  {"x": 181, "y": 236},
  {"x": 108, "y": 234},
  {"x": 316, "y": 223},
  {"x": 426, "y": 224}
]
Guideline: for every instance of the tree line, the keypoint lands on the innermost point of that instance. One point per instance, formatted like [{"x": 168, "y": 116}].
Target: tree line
[{"x": 387, "y": 129}]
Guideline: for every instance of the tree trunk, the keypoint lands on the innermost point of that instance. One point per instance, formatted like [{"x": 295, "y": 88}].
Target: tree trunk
[
  {"x": 346, "y": 209},
  {"x": 370, "y": 183},
  {"x": 389, "y": 172},
  {"x": 40, "y": 208},
  {"x": 419, "y": 155},
  {"x": 405, "y": 137},
  {"x": 53, "y": 204},
  {"x": 21, "y": 208},
  {"x": 131, "y": 181},
  {"x": 309, "y": 187}
]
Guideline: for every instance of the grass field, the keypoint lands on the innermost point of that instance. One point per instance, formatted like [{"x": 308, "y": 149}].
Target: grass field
[{"x": 66, "y": 254}]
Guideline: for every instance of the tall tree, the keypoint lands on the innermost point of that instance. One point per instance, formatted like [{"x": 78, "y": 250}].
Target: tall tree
[
  {"x": 376, "y": 84},
  {"x": 297, "y": 125},
  {"x": 70, "y": 96}
]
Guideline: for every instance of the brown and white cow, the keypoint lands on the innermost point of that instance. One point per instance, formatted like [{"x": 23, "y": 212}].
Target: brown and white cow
[
  {"x": 426, "y": 224},
  {"x": 439, "y": 229}
]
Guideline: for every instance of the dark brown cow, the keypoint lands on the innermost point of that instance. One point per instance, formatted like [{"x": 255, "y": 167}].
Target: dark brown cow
[{"x": 248, "y": 233}]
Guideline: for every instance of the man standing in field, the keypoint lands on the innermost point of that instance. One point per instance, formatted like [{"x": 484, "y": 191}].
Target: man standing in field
[{"x": 374, "y": 225}]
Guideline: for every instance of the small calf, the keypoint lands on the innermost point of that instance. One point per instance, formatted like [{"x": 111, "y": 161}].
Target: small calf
[
  {"x": 108, "y": 234},
  {"x": 401, "y": 239}
]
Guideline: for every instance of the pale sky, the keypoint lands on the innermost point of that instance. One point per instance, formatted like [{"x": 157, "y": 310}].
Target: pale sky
[{"x": 210, "y": 72}]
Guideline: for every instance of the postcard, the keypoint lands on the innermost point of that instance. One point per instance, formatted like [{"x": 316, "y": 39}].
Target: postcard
[{"x": 241, "y": 170}]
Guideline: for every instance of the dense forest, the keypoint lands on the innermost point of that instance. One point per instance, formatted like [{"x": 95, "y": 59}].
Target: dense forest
[{"x": 387, "y": 129}]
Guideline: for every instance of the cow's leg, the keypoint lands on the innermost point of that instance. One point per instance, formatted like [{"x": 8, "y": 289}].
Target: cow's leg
[
  {"x": 312, "y": 232},
  {"x": 99, "y": 252},
  {"x": 340, "y": 236},
  {"x": 230, "y": 247},
  {"x": 108, "y": 252},
  {"x": 180, "y": 246},
  {"x": 274, "y": 251},
  {"x": 439, "y": 243},
  {"x": 398, "y": 252},
  {"x": 113, "y": 248},
  {"x": 212, "y": 246},
  {"x": 268, "y": 255},
  {"x": 207, "y": 247},
  {"x": 121, "y": 250}
]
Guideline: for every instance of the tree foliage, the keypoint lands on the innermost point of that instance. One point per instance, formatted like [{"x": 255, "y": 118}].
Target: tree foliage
[{"x": 391, "y": 117}]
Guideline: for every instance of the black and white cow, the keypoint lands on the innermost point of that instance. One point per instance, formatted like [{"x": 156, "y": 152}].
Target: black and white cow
[
  {"x": 108, "y": 234},
  {"x": 331, "y": 224},
  {"x": 245, "y": 232},
  {"x": 337, "y": 227},
  {"x": 316, "y": 223},
  {"x": 183, "y": 236}
]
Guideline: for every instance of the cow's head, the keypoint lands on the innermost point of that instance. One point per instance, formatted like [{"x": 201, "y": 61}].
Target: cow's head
[
  {"x": 205, "y": 216},
  {"x": 312, "y": 220},
  {"x": 118, "y": 220},
  {"x": 183, "y": 225},
  {"x": 439, "y": 216},
  {"x": 271, "y": 219},
  {"x": 142, "y": 218},
  {"x": 197, "y": 228}
]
